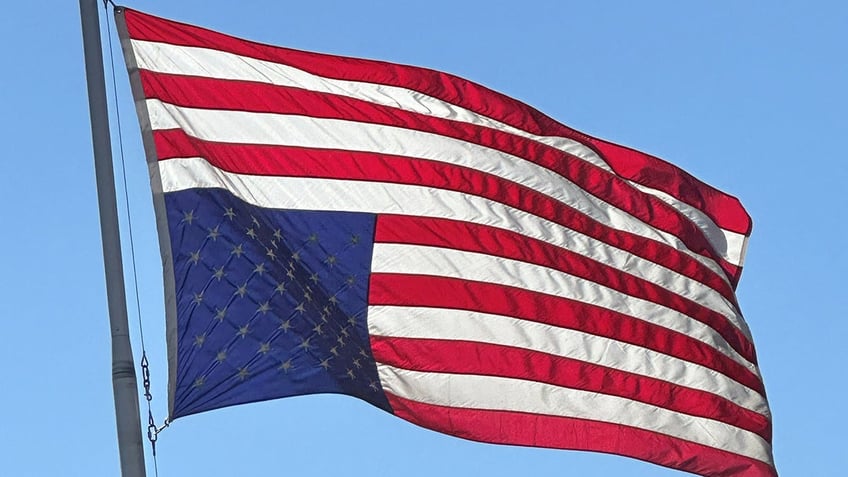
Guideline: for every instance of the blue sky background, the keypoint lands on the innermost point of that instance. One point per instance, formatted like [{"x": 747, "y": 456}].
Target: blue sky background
[{"x": 748, "y": 96}]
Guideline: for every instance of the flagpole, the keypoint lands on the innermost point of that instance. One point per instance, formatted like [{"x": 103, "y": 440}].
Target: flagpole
[{"x": 124, "y": 384}]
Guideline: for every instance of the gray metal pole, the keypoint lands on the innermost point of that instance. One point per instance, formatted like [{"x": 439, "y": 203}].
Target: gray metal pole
[{"x": 124, "y": 385}]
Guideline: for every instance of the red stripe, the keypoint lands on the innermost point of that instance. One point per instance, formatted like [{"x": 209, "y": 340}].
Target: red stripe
[
  {"x": 304, "y": 162},
  {"x": 725, "y": 210},
  {"x": 209, "y": 93},
  {"x": 453, "y": 293},
  {"x": 503, "y": 243},
  {"x": 463, "y": 357},
  {"x": 507, "y": 427}
]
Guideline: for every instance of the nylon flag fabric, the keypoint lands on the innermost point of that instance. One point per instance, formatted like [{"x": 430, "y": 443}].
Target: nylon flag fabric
[{"x": 441, "y": 251}]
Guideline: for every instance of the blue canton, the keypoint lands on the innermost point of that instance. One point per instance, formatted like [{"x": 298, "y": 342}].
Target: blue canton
[{"x": 270, "y": 303}]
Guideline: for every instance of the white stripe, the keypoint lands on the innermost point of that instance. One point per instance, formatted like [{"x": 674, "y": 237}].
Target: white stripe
[
  {"x": 241, "y": 127},
  {"x": 193, "y": 61},
  {"x": 733, "y": 243},
  {"x": 508, "y": 394},
  {"x": 359, "y": 196},
  {"x": 447, "y": 324},
  {"x": 442, "y": 262}
]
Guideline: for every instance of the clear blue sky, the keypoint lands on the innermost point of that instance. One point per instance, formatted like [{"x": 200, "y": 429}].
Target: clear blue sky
[{"x": 749, "y": 96}]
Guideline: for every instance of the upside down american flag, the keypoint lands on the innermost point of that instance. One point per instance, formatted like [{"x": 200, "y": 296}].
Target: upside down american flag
[{"x": 441, "y": 251}]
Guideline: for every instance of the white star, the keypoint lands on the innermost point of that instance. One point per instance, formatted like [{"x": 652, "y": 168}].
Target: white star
[
  {"x": 219, "y": 273},
  {"x": 250, "y": 233},
  {"x": 199, "y": 382},
  {"x": 270, "y": 253},
  {"x": 305, "y": 344},
  {"x": 314, "y": 277},
  {"x": 285, "y": 326},
  {"x": 286, "y": 365},
  {"x": 313, "y": 237},
  {"x": 373, "y": 385},
  {"x": 264, "y": 348},
  {"x": 255, "y": 222},
  {"x": 331, "y": 260},
  {"x": 300, "y": 308},
  {"x": 281, "y": 288},
  {"x": 188, "y": 217},
  {"x": 221, "y": 356},
  {"x": 228, "y": 212},
  {"x": 199, "y": 340},
  {"x": 354, "y": 239},
  {"x": 238, "y": 250},
  {"x": 264, "y": 308},
  {"x": 243, "y": 331},
  {"x": 243, "y": 373},
  {"x": 214, "y": 233},
  {"x": 198, "y": 297},
  {"x": 241, "y": 291},
  {"x": 194, "y": 257},
  {"x": 260, "y": 269},
  {"x": 325, "y": 364},
  {"x": 357, "y": 363},
  {"x": 318, "y": 329},
  {"x": 278, "y": 235},
  {"x": 296, "y": 256},
  {"x": 220, "y": 313},
  {"x": 335, "y": 351},
  {"x": 350, "y": 374}
]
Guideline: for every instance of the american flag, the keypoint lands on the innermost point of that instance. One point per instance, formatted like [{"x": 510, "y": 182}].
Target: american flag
[{"x": 442, "y": 251}]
